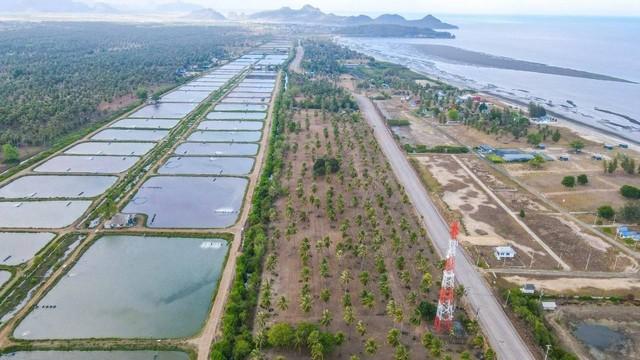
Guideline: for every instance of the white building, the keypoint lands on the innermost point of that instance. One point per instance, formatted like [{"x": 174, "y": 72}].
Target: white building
[{"x": 504, "y": 252}]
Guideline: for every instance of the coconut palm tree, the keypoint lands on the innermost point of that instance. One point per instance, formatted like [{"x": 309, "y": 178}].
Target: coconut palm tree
[
  {"x": 401, "y": 353},
  {"x": 326, "y": 318},
  {"x": 282, "y": 303},
  {"x": 345, "y": 278},
  {"x": 393, "y": 337},
  {"x": 370, "y": 346},
  {"x": 364, "y": 277},
  {"x": 361, "y": 328},
  {"x": 348, "y": 316}
]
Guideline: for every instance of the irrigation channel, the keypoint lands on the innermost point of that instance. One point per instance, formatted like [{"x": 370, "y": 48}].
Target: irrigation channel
[{"x": 118, "y": 243}]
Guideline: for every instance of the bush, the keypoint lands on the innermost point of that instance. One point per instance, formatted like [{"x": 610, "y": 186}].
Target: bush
[
  {"x": 583, "y": 179},
  {"x": 569, "y": 181},
  {"x": 281, "y": 335},
  {"x": 495, "y": 159},
  {"x": 398, "y": 122},
  {"x": 427, "y": 310},
  {"x": 322, "y": 165},
  {"x": 606, "y": 212},
  {"x": 630, "y": 212},
  {"x": 630, "y": 192}
]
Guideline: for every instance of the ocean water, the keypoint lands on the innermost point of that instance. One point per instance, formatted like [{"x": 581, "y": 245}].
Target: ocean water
[{"x": 607, "y": 46}]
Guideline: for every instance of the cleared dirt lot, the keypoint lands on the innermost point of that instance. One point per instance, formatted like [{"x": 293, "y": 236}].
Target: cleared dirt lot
[{"x": 489, "y": 225}]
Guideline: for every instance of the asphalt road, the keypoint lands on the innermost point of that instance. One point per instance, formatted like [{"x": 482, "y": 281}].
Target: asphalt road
[{"x": 497, "y": 327}]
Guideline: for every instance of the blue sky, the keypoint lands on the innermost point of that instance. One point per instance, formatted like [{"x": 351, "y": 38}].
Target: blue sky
[{"x": 507, "y": 7}]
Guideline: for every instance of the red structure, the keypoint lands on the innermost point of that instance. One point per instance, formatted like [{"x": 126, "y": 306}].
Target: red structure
[{"x": 446, "y": 306}]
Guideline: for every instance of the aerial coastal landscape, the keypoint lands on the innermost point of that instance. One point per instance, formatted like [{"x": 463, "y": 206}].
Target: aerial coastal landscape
[{"x": 337, "y": 180}]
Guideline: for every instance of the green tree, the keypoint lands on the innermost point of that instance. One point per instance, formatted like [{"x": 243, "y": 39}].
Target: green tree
[
  {"x": 577, "y": 145},
  {"x": 534, "y": 138},
  {"x": 630, "y": 212},
  {"x": 10, "y": 154},
  {"x": 556, "y": 136},
  {"x": 583, "y": 179},
  {"x": 281, "y": 335},
  {"x": 606, "y": 212},
  {"x": 453, "y": 114},
  {"x": 522, "y": 215},
  {"x": 142, "y": 93},
  {"x": 537, "y": 161},
  {"x": 630, "y": 192},
  {"x": 569, "y": 181},
  {"x": 370, "y": 346}
]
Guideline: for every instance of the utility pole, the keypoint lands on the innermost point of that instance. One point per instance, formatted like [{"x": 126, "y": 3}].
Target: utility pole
[
  {"x": 546, "y": 354},
  {"x": 588, "y": 259}
]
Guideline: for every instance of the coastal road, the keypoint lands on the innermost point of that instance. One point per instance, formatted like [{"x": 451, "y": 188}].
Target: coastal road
[{"x": 497, "y": 327}]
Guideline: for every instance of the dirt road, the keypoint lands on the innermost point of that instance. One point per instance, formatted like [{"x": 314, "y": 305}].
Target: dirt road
[
  {"x": 296, "y": 64},
  {"x": 501, "y": 334}
]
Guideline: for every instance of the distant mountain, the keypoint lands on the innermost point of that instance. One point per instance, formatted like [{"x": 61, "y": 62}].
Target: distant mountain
[
  {"x": 67, "y": 6},
  {"x": 205, "y": 14},
  {"x": 312, "y": 15},
  {"x": 390, "y": 30},
  {"x": 178, "y": 7}
]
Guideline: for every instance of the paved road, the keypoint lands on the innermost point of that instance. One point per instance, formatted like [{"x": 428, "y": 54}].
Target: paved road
[
  {"x": 296, "y": 64},
  {"x": 501, "y": 334}
]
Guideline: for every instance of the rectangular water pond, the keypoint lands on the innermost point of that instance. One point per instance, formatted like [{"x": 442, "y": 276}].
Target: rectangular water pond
[
  {"x": 199, "y": 88},
  {"x": 98, "y": 164},
  {"x": 189, "y": 202},
  {"x": 130, "y": 135},
  {"x": 238, "y": 100},
  {"x": 185, "y": 96},
  {"x": 57, "y": 186},
  {"x": 251, "y": 89},
  {"x": 131, "y": 287},
  {"x": 202, "y": 165},
  {"x": 241, "y": 107},
  {"x": 258, "y": 81},
  {"x": 96, "y": 355},
  {"x": 225, "y": 136},
  {"x": 217, "y": 149},
  {"x": 221, "y": 115},
  {"x": 17, "y": 247},
  {"x": 111, "y": 148},
  {"x": 242, "y": 94},
  {"x": 145, "y": 124},
  {"x": 230, "y": 125},
  {"x": 165, "y": 111},
  {"x": 41, "y": 214}
]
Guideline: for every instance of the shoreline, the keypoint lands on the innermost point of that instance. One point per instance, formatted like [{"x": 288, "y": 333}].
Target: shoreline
[{"x": 589, "y": 132}]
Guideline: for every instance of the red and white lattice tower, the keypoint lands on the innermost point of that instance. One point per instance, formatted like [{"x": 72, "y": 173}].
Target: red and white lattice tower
[{"x": 446, "y": 306}]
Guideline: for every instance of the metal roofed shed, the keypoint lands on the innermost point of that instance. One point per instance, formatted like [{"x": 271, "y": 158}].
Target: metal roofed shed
[
  {"x": 549, "y": 306},
  {"x": 119, "y": 221},
  {"x": 528, "y": 289},
  {"x": 504, "y": 252}
]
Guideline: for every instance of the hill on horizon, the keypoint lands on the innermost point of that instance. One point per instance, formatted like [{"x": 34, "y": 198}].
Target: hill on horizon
[{"x": 310, "y": 14}]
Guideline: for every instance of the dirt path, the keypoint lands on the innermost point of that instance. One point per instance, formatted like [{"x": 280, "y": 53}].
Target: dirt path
[
  {"x": 513, "y": 216},
  {"x": 210, "y": 330},
  {"x": 296, "y": 64}
]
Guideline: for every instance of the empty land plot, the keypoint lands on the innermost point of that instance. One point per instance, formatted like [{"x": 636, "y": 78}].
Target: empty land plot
[
  {"x": 130, "y": 135},
  {"x": 145, "y": 124},
  {"x": 486, "y": 223},
  {"x": 41, "y": 214},
  {"x": 222, "y": 115},
  {"x": 230, "y": 125},
  {"x": 56, "y": 186},
  {"x": 99, "y": 164},
  {"x": 565, "y": 237},
  {"x": 19, "y": 247},
  {"x": 217, "y": 149},
  {"x": 226, "y": 136},
  {"x": 346, "y": 242},
  {"x": 189, "y": 202},
  {"x": 131, "y": 287},
  {"x": 111, "y": 148},
  {"x": 165, "y": 111},
  {"x": 202, "y": 165}
]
